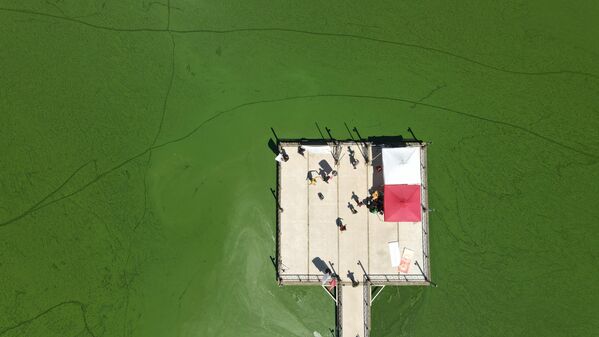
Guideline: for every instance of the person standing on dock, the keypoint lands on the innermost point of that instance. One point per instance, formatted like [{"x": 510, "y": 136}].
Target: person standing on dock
[{"x": 340, "y": 224}]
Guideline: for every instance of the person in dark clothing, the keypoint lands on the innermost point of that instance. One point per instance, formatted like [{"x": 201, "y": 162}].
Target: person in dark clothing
[{"x": 285, "y": 155}]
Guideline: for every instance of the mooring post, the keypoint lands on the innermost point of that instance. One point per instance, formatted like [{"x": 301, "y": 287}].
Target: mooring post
[
  {"x": 329, "y": 133},
  {"x": 319, "y": 131},
  {"x": 334, "y": 271},
  {"x": 275, "y": 134},
  {"x": 274, "y": 194},
  {"x": 357, "y": 144},
  {"x": 366, "y": 159},
  {"x": 414, "y": 136},
  {"x": 424, "y": 275},
  {"x": 364, "y": 270},
  {"x": 335, "y": 146}
]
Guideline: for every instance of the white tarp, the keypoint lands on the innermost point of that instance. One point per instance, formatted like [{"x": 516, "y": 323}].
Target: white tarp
[{"x": 401, "y": 165}]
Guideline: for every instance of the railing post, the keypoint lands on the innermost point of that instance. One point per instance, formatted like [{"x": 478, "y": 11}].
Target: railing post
[
  {"x": 364, "y": 270},
  {"x": 424, "y": 275}
]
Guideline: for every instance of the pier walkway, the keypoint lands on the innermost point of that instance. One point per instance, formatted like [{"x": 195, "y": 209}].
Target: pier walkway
[{"x": 354, "y": 311}]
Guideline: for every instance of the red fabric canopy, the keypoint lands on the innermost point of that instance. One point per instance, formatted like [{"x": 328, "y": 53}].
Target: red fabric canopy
[{"x": 402, "y": 203}]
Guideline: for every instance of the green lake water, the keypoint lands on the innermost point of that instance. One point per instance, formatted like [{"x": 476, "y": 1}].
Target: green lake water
[{"x": 135, "y": 171}]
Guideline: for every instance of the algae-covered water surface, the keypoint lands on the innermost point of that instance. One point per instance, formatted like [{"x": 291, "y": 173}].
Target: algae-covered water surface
[{"x": 135, "y": 171}]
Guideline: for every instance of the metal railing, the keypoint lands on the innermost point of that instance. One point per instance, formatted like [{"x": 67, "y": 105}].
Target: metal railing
[
  {"x": 399, "y": 278},
  {"x": 338, "y": 291},
  {"x": 367, "y": 305},
  {"x": 425, "y": 213},
  {"x": 307, "y": 278}
]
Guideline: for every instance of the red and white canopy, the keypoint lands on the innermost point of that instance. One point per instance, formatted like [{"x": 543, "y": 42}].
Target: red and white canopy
[{"x": 401, "y": 170}]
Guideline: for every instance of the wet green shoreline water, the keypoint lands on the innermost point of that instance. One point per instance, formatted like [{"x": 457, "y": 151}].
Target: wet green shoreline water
[{"x": 135, "y": 172}]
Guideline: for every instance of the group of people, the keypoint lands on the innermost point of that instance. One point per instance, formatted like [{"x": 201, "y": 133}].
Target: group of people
[
  {"x": 374, "y": 202},
  {"x": 330, "y": 279},
  {"x": 313, "y": 175}
]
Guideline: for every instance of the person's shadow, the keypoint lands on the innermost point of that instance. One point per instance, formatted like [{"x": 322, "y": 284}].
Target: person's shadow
[
  {"x": 352, "y": 208},
  {"x": 320, "y": 264},
  {"x": 352, "y": 157},
  {"x": 352, "y": 278}
]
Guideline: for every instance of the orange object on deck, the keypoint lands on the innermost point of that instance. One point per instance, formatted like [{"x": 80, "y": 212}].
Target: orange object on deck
[{"x": 332, "y": 284}]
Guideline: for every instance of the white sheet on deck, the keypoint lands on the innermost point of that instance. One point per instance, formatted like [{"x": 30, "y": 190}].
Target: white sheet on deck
[{"x": 401, "y": 165}]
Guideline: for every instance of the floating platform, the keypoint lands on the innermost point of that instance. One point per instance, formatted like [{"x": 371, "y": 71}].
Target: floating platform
[{"x": 308, "y": 233}]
